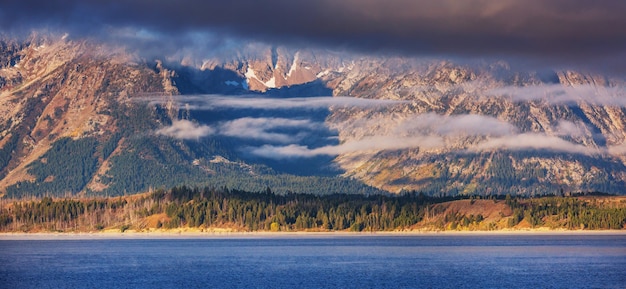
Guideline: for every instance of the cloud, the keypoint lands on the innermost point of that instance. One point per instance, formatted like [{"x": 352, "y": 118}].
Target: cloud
[
  {"x": 534, "y": 141},
  {"x": 386, "y": 124},
  {"x": 299, "y": 102},
  {"x": 559, "y": 94},
  {"x": 424, "y": 131},
  {"x": 211, "y": 102},
  {"x": 557, "y": 31},
  {"x": 618, "y": 150},
  {"x": 283, "y": 152},
  {"x": 262, "y": 129},
  {"x": 428, "y": 131},
  {"x": 568, "y": 128},
  {"x": 518, "y": 142},
  {"x": 184, "y": 129},
  {"x": 369, "y": 144},
  {"x": 432, "y": 131},
  {"x": 456, "y": 125}
]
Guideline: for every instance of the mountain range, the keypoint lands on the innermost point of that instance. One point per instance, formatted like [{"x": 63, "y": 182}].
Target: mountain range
[{"x": 81, "y": 117}]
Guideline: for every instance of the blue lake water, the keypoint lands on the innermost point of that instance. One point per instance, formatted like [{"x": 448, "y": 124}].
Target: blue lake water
[{"x": 562, "y": 261}]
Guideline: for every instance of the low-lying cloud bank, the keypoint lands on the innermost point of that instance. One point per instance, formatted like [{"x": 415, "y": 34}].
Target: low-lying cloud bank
[
  {"x": 453, "y": 125},
  {"x": 428, "y": 131},
  {"x": 559, "y": 94},
  {"x": 263, "y": 129},
  {"x": 212, "y": 102},
  {"x": 432, "y": 131},
  {"x": 185, "y": 129},
  {"x": 534, "y": 141},
  {"x": 368, "y": 144}
]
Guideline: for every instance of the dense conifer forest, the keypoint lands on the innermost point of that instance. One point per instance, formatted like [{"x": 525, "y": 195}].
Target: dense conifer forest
[{"x": 236, "y": 210}]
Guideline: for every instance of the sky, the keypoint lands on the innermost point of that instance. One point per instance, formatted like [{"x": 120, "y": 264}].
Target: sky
[{"x": 560, "y": 33}]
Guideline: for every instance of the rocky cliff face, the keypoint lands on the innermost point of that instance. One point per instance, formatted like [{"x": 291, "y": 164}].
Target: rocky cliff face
[
  {"x": 262, "y": 68},
  {"x": 53, "y": 88},
  {"x": 481, "y": 128},
  {"x": 496, "y": 130}
]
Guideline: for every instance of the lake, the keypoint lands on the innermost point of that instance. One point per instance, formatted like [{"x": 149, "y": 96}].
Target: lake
[{"x": 326, "y": 261}]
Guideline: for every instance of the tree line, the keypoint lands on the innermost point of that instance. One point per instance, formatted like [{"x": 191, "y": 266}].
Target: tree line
[
  {"x": 567, "y": 212},
  {"x": 211, "y": 207}
]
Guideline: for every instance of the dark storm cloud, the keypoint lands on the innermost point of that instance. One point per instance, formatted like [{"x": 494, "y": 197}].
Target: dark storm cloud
[{"x": 565, "y": 31}]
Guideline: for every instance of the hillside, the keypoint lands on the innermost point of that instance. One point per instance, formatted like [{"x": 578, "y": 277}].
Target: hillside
[
  {"x": 80, "y": 117},
  {"x": 73, "y": 122}
]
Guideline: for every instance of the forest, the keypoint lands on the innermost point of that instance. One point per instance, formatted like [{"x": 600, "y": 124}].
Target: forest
[{"x": 237, "y": 210}]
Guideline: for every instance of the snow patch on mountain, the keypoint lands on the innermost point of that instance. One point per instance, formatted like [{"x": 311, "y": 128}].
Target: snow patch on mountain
[
  {"x": 294, "y": 64},
  {"x": 251, "y": 75}
]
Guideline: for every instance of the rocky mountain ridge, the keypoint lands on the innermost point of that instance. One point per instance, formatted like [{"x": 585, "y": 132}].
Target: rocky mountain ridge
[
  {"x": 479, "y": 128},
  {"x": 452, "y": 94}
]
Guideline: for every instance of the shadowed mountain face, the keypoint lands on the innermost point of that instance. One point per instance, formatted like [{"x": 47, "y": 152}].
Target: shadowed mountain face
[
  {"x": 248, "y": 129},
  {"x": 78, "y": 117}
]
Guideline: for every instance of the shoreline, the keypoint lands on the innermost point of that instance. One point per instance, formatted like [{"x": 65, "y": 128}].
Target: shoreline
[{"x": 268, "y": 235}]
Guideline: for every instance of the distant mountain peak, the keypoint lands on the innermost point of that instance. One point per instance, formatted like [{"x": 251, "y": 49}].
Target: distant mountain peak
[{"x": 440, "y": 127}]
